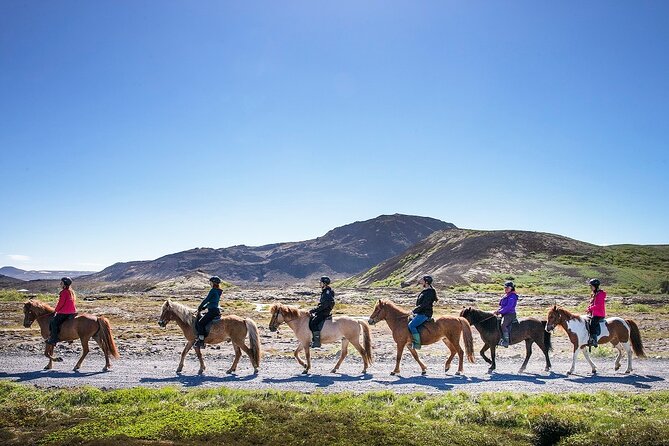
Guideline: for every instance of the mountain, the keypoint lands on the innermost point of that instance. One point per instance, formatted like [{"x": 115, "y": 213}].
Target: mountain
[
  {"x": 342, "y": 252},
  {"x": 10, "y": 282},
  {"x": 17, "y": 273},
  {"x": 467, "y": 260}
]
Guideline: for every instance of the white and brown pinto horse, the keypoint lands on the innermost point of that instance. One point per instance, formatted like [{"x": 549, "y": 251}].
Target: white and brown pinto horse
[
  {"x": 346, "y": 328},
  {"x": 623, "y": 334},
  {"x": 229, "y": 328}
]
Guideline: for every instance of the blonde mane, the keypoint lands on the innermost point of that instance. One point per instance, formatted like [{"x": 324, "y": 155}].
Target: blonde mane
[
  {"x": 181, "y": 311},
  {"x": 290, "y": 311},
  {"x": 394, "y": 307},
  {"x": 40, "y": 305}
]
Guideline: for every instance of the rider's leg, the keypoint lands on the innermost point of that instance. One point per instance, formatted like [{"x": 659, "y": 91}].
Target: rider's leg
[{"x": 417, "y": 320}]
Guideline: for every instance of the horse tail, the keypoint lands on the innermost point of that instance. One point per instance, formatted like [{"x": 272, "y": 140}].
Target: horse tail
[
  {"x": 547, "y": 337},
  {"x": 635, "y": 337},
  {"x": 254, "y": 340},
  {"x": 467, "y": 336},
  {"x": 105, "y": 337},
  {"x": 367, "y": 341}
]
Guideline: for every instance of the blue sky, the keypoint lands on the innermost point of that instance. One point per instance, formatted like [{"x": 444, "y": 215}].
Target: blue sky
[{"x": 134, "y": 129}]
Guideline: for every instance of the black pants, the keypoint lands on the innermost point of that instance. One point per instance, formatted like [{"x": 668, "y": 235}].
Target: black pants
[
  {"x": 595, "y": 329},
  {"x": 316, "y": 320},
  {"x": 507, "y": 320},
  {"x": 201, "y": 324},
  {"x": 54, "y": 326}
]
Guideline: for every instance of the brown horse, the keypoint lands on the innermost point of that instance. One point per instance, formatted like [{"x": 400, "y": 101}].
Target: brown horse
[
  {"x": 229, "y": 328},
  {"x": 445, "y": 328},
  {"x": 530, "y": 330},
  {"x": 619, "y": 332},
  {"x": 83, "y": 326},
  {"x": 345, "y": 328}
]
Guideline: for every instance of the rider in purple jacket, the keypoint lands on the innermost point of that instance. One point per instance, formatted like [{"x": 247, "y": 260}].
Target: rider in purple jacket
[{"x": 507, "y": 309}]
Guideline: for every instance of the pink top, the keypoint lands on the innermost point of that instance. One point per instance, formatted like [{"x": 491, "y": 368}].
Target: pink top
[
  {"x": 597, "y": 307},
  {"x": 65, "y": 303}
]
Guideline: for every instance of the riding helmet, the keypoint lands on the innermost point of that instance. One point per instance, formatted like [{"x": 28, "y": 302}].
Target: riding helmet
[
  {"x": 67, "y": 281},
  {"x": 215, "y": 279},
  {"x": 594, "y": 282},
  {"x": 325, "y": 280},
  {"x": 509, "y": 284},
  {"x": 428, "y": 279}
]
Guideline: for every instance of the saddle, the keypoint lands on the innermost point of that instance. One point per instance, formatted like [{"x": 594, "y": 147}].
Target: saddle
[
  {"x": 207, "y": 328},
  {"x": 320, "y": 325},
  {"x": 588, "y": 320}
]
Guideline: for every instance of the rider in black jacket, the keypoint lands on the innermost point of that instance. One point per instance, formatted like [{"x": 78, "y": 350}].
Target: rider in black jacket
[{"x": 322, "y": 311}]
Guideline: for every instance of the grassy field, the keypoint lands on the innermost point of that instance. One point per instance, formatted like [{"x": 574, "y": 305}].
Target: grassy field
[{"x": 223, "y": 416}]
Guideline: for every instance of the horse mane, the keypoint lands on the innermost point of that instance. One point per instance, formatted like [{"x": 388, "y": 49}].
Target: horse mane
[
  {"x": 394, "y": 307},
  {"x": 479, "y": 312},
  {"x": 186, "y": 314},
  {"x": 41, "y": 305},
  {"x": 287, "y": 310},
  {"x": 567, "y": 313}
]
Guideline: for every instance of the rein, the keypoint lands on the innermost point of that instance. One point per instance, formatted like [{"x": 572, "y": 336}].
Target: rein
[{"x": 483, "y": 320}]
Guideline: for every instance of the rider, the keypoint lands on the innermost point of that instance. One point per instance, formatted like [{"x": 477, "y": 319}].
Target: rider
[
  {"x": 65, "y": 309},
  {"x": 596, "y": 309},
  {"x": 423, "y": 310},
  {"x": 507, "y": 309},
  {"x": 322, "y": 311},
  {"x": 211, "y": 304}
]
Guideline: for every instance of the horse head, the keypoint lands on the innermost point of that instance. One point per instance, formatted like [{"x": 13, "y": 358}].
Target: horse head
[
  {"x": 379, "y": 313},
  {"x": 277, "y": 317},
  {"x": 467, "y": 314},
  {"x": 555, "y": 318},
  {"x": 165, "y": 313},
  {"x": 29, "y": 315}
]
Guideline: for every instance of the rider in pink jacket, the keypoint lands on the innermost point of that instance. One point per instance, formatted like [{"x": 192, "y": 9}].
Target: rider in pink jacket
[{"x": 596, "y": 309}]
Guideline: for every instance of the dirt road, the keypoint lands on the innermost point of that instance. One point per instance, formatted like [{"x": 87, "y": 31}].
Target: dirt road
[{"x": 284, "y": 374}]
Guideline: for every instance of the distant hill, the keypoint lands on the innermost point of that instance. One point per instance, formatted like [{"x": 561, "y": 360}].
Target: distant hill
[
  {"x": 466, "y": 260},
  {"x": 341, "y": 252},
  {"x": 10, "y": 282},
  {"x": 17, "y": 273}
]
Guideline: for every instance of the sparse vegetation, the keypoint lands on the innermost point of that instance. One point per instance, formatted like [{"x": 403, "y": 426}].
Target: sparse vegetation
[{"x": 153, "y": 416}]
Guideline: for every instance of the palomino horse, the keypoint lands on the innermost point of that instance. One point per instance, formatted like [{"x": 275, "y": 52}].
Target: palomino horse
[
  {"x": 619, "y": 332},
  {"x": 345, "y": 328},
  {"x": 83, "y": 326},
  {"x": 530, "y": 330},
  {"x": 445, "y": 328},
  {"x": 229, "y": 328}
]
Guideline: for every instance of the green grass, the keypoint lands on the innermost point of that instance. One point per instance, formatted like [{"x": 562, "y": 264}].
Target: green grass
[
  {"x": 224, "y": 416},
  {"x": 15, "y": 296}
]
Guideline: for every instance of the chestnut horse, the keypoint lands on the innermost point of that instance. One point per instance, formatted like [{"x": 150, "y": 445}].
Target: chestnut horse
[
  {"x": 228, "y": 328},
  {"x": 530, "y": 330},
  {"x": 445, "y": 328},
  {"x": 83, "y": 326},
  {"x": 619, "y": 332},
  {"x": 345, "y": 328}
]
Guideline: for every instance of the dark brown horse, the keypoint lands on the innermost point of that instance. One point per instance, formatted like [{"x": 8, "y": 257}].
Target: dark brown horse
[
  {"x": 446, "y": 328},
  {"x": 230, "y": 328},
  {"x": 84, "y": 327},
  {"x": 623, "y": 334},
  {"x": 530, "y": 330}
]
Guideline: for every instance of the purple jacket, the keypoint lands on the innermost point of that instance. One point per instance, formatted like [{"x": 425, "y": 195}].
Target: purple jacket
[{"x": 508, "y": 303}]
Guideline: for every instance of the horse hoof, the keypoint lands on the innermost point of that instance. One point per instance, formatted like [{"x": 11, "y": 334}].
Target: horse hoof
[
  {"x": 58, "y": 359},
  {"x": 229, "y": 372},
  {"x": 446, "y": 369},
  {"x": 76, "y": 369},
  {"x": 594, "y": 372},
  {"x": 569, "y": 373},
  {"x": 617, "y": 367},
  {"x": 424, "y": 372},
  {"x": 393, "y": 373},
  {"x": 521, "y": 371},
  {"x": 306, "y": 371},
  {"x": 200, "y": 372},
  {"x": 106, "y": 369},
  {"x": 47, "y": 368},
  {"x": 255, "y": 371},
  {"x": 458, "y": 373},
  {"x": 627, "y": 372},
  {"x": 333, "y": 371},
  {"x": 490, "y": 370}
]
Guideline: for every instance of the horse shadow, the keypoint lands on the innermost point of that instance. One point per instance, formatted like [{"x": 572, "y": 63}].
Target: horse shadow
[
  {"x": 637, "y": 381},
  {"x": 530, "y": 378},
  {"x": 197, "y": 380},
  {"x": 319, "y": 380},
  {"x": 40, "y": 374},
  {"x": 445, "y": 382}
]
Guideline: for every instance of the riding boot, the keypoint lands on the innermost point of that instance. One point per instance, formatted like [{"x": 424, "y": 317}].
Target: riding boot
[
  {"x": 200, "y": 341},
  {"x": 593, "y": 341},
  {"x": 416, "y": 341},
  {"x": 504, "y": 341},
  {"x": 316, "y": 340}
]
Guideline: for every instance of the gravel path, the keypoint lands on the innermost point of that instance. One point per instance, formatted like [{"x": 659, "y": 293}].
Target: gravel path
[{"x": 284, "y": 374}]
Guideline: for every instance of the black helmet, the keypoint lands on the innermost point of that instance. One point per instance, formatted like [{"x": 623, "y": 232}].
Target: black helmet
[
  {"x": 325, "y": 280},
  {"x": 428, "y": 279},
  {"x": 594, "y": 282},
  {"x": 509, "y": 284},
  {"x": 67, "y": 281},
  {"x": 215, "y": 279}
]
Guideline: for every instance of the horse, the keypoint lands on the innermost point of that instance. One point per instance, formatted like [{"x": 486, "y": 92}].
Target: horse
[
  {"x": 346, "y": 328},
  {"x": 619, "y": 332},
  {"x": 83, "y": 326},
  {"x": 530, "y": 330},
  {"x": 228, "y": 328},
  {"x": 446, "y": 328}
]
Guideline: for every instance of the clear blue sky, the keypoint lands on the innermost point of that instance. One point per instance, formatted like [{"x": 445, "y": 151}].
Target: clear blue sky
[{"x": 134, "y": 129}]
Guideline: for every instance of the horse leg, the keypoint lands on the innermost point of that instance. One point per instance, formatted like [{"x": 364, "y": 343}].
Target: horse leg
[
  {"x": 342, "y": 355},
  {"x": 48, "y": 352},
  {"x": 249, "y": 353},
  {"x": 400, "y": 349},
  {"x": 528, "y": 353},
  {"x": 199, "y": 356},
  {"x": 84, "y": 352},
  {"x": 447, "y": 365},
  {"x": 573, "y": 361},
  {"x": 620, "y": 349},
  {"x": 423, "y": 367},
  {"x": 482, "y": 353},
  {"x": 296, "y": 353},
  {"x": 307, "y": 355},
  {"x": 548, "y": 359},
  {"x": 361, "y": 350},
  {"x": 493, "y": 355},
  {"x": 188, "y": 346},
  {"x": 587, "y": 357},
  {"x": 238, "y": 354},
  {"x": 628, "y": 349}
]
